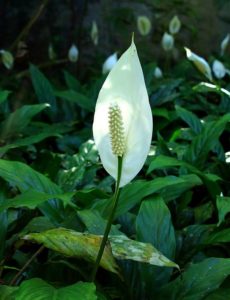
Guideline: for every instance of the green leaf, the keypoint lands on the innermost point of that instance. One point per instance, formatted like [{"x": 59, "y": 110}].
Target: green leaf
[
  {"x": 32, "y": 199},
  {"x": 220, "y": 294},
  {"x": 36, "y": 288},
  {"x": 86, "y": 246},
  {"x": 4, "y": 95},
  {"x": 42, "y": 87},
  {"x": 95, "y": 223},
  {"x": 78, "y": 98},
  {"x": 133, "y": 193},
  {"x": 217, "y": 237},
  {"x": 72, "y": 82},
  {"x": 76, "y": 244},
  {"x": 205, "y": 141},
  {"x": 223, "y": 206},
  {"x": 7, "y": 292},
  {"x": 20, "y": 119},
  {"x": 198, "y": 280},
  {"x": 154, "y": 226},
  {"x": 26, "y": 178},
  {"x": 190, "y": 118}
]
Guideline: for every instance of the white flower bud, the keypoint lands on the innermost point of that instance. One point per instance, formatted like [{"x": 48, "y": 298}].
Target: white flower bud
[
  {"x": 201, "y": 64},
  {"x": 109, "y": 63},
  {"x": 218, "y": 69},
  {"x": 158, "y": 73},
  {"x": 167, "y": 42},
  {"x": 94, "y": 33},
  {"x": 7, "y": 59},
  {"x": 224, "y": 44},
  {"x": 51, "y": 52},
  {"x": 73, "y": 53},
  {"x": 144, "y": 25},
  {"x": 174, "y": 25}
]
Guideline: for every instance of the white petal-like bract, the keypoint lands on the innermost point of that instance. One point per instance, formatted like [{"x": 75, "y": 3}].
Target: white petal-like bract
[
  {"x": 167, "y": 41},
  {"x": 144, "y": 25},
  {"x": 201, "y": 64},
  {"x": 109, "y": 63},
  {"x": 224, "y": 44},
  {"x": 158, "y": 73},
  {"x": 73, "y": 53},
  {"x": 174, "y": 25},
  {"x": 94, "y": 33},
  {"x": 7, "y": 59},
  {"x": 124, "y": 88},
  {"x": 218, "y": 69}
]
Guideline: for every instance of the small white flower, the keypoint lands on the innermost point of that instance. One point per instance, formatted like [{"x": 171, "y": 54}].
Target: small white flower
[
  {"x": 174, "y": 25},
  {"x": 167, "y": 41},
  {"x": 109, "y": 63},
  {"x": 94, "y": 33},
  {"x": 224, "y": 44},
  {"x": 73, "y": 53},
  {"x": 123, "y": 119},
  {"x": 201, "y": 64},
  {"x": 7, "y": 59},
  {"x": 158, "y": 73},
  {"x": 51, "y": 52},
  {"x": 218, "y": 69},
  {"x": 144, "y": 25}
]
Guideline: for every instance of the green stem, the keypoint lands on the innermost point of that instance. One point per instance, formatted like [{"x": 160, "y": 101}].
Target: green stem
[{"x": 110, "y": 219}]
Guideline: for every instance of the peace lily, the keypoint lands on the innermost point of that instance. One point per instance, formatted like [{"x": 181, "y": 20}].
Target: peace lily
[
  {"x": 94, "y": 33},
  {"x": 109, "y": 63},
  {"x": 122, "y": 127},
  {"x": 123, "y": 99},
  {"x": 218, "y": 69},
  {"x": 174, "y": 25},
  {"x": 224, "y": 44},
  {"x": 167, "y": 41},
  {"x": 73, "y": 53},
  {"x": 201, "y": 64},
  {"x": 7, "y": 59},
  {"x": 51, "y": 53},
  {"x": 158, "y": 73},
  {"x": 144, "y": 25}
]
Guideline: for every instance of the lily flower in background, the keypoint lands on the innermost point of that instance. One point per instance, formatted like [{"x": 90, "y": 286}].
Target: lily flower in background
[
  {"x": 218, "y": 69},
  {"x": 109, "y": 63},
  {"x": 123, "y": 124},
  {"x": 224, "y": 44},
  {"x": 174, "y": 25},
  {"x": 51, "y": 53},
  {"x": 7, "y": 59},
  {"x": 144, "y": 25},
  {"x": 94, "y": 33},
  {"x": 201, "y": 64},
  {"x": 167, "y": 41},
  {"x": 73, "y": 53},
  {"x": 158, "y": 73}
]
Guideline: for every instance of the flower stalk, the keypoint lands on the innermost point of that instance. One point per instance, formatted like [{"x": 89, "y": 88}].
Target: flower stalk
[{"x": 110, "y": 219}]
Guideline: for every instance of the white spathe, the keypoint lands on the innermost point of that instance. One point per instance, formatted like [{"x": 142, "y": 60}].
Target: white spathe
[
  {"x": 7, "y": 59},
  {"x": 125, "y": 87},
  {"x": 144, "y": 25},
  {"x": 73, "y": 53},
  {"x": 174, "y": 25},
  {"x": 158, "y": 73},
  {"x": 201, "y": 64},
  {"x": 224, "y": 44},
  {"x": 167, "y": 41},
  {"x": 218, "y": 69},
  {"x": 109, "y": 63}
]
